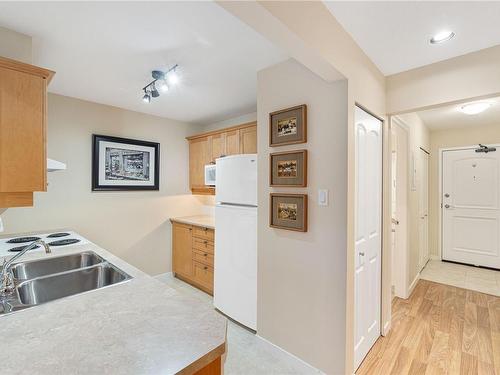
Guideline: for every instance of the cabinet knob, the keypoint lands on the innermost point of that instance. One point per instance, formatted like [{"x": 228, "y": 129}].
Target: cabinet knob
[
  {"x": 205, "y": 268},
  {"x": 205, "y": 254},
  {"x": 205, "y": 242}
]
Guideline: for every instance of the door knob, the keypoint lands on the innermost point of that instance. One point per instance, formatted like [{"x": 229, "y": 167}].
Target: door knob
[
  {"x": 447, "y": 206},
  {"x": 447, "y": 195},
  {"x": 362, "y": 254}
]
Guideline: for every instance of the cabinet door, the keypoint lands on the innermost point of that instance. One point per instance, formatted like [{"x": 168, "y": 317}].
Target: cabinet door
[
  {"x": 182, "y": 249},
  {"x": 248, "y": 140},
  {"x": 203, "y": 275},
  {"x": 199, "y": 156},
  {"x": 22, "y": 131},
  {"x": 218, "y": 146},
  {"x": 233, "y": 142}
]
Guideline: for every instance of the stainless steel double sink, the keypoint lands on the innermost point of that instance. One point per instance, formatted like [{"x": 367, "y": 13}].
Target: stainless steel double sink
[{"x": 47, "y": 279}]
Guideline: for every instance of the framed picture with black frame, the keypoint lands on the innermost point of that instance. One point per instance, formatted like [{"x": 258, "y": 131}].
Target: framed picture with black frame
[{"x": 120, "y": 164}]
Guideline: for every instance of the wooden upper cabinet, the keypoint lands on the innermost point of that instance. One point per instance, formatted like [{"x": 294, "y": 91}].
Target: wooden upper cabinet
[
  {"x": 205, "y": 148},
  {"x": 23, "y": 128},
  {"x": 199, "y": 156},
  {"x": 218, "y": 142},
  {"x": 248, "y": 140},
  {"x": 233, "y": 142}
]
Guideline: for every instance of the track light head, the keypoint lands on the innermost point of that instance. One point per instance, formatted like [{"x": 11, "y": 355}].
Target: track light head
[
  {"x": 154, "y": 91},
  {"x": 173, "y": 78},
  {"x": 146, "y": 98},
  {"x": 163, "y": 85}
]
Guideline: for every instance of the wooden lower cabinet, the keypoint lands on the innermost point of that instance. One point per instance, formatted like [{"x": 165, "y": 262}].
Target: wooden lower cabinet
[{"x": 193, "y": 255}]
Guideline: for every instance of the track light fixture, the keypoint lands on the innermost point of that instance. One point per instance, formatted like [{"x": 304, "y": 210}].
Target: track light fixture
[{"x": 160, "y": 80}]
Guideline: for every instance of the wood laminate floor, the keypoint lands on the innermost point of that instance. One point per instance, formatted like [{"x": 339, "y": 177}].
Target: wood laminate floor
[{"x": 440, "y": 329}]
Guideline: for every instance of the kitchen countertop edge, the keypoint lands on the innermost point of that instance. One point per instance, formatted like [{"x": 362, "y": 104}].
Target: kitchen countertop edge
[{"x": 206, "y": 221}]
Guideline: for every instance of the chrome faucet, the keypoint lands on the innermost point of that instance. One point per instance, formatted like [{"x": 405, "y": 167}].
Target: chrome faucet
[{"x": 7, "y": 284}]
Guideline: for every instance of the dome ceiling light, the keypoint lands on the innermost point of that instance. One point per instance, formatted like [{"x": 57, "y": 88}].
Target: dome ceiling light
[
  {"x": 442, "y": 36},
  {"x": 475, "y": 108}
]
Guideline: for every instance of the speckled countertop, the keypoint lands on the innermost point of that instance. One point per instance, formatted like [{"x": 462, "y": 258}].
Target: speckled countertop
[
  {"x": 206, "y": 221},
  {"x": 141, "y": 326}
]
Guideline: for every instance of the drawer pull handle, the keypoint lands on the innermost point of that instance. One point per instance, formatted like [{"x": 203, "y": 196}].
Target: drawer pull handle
[{"x": 205, "y": 254}]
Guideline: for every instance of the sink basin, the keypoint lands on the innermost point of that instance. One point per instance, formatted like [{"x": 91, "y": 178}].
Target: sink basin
[
  {"x": 49, "y": 288},
  {"x": 47, "y": 279},
  {"x": 49, "y": 266}
]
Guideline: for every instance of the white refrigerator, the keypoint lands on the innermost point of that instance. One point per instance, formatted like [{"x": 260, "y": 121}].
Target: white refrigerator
[{"x": 235, "y": 279}]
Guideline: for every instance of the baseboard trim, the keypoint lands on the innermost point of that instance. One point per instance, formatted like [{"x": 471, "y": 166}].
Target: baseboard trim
[
  {"x": 291, "y": 355},
  {"x": 413, "y": 284},
  {"x": 387, "y": 328}
]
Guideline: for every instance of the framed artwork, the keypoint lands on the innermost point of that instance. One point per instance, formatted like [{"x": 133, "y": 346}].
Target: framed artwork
[
  {"x": 288, "y": 168},
  {"x": 124, "y": 164},
  {"x": 288, "y": 211},
  {"x": 288, "y": 126}
]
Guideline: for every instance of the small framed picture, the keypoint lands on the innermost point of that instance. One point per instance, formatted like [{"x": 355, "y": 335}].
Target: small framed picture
[
  {"x": 124, "y": 164},
  {"x": 288, "y": 126},
  {"x": 288, "y": 168},
  {"x": 288, "y": 211}
]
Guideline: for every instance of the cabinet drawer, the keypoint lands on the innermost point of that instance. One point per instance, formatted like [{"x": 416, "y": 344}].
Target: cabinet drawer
[
  {"x": 203, "y": 275},
  {"x": 205, "y": 233},
  {"x": 203, "y": 245},
  {"x": 203, "y": 257}
]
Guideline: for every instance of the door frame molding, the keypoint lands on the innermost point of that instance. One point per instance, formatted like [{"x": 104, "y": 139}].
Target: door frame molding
[
  {"x": 404, "y": 258},
  {"x": 440, "y": 190}
]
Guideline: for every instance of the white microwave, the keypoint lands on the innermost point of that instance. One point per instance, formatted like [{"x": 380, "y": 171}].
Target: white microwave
[{"x": 210, "y": 175}]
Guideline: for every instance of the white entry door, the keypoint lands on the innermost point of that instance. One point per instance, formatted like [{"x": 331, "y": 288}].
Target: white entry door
[
  {"x": 368, "y": 244},
  {"x": 423, "y": 207},
  {"x": 470, "y": 212}
]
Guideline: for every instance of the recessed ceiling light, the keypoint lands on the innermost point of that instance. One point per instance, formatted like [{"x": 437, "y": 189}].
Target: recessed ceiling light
[
  {"x": 442, "y": 36},
  {"x": 475, "y": 108}
]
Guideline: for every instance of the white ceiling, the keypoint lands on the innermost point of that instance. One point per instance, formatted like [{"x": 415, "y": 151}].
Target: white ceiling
[
  {"x": 449, "y": 116},
  {"x": 395, "y": 35},
  {"x": 104, "y": 52}
]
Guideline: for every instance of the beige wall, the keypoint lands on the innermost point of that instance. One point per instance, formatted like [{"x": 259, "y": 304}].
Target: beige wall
[
  {"x": 469, "y": 76},
  {"x": 132, "y": 225},
  {"x": 418, "y": 136},
  {"x": 15, "y": 45},
  {"x": 302, "y": 276},
  {"x": 243, "y": 119},
  {"x": 469, "y": 136}
]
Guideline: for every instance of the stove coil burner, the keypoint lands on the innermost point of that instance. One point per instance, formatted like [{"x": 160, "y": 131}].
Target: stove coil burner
[
  {"x": 56, "y": 235},
  {"x": 19, "y": 248},
  {"x": 23, "y": 239},
  {"x": 67, "y": 241}
]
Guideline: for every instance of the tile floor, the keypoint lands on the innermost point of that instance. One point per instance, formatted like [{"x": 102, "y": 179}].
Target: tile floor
[
  {"x": 247, "y": 354},
  {"x": 461, "y": 276}
]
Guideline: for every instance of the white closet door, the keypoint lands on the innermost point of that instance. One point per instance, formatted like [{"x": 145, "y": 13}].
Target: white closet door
[
  {"x": 471, "y": 207},
  {"x": 368, "y": 245}
]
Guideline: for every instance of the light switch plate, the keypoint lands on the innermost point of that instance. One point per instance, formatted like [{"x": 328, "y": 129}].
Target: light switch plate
[{"x": 323, "y": 197}]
